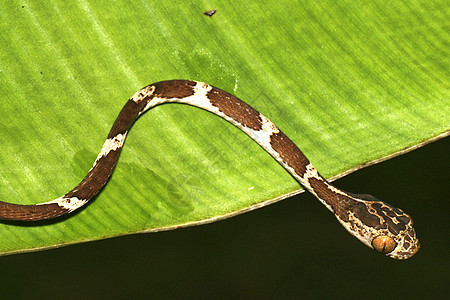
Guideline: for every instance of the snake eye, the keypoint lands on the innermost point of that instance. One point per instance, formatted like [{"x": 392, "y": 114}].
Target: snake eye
[{"x": 383, "y": 244}]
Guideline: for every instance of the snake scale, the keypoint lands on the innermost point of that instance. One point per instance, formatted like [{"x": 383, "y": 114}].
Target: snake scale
[{"x": 380, "y": 226}]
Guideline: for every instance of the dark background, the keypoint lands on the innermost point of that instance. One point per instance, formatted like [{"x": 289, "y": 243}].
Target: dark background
[{"x": 291, "y": 249}]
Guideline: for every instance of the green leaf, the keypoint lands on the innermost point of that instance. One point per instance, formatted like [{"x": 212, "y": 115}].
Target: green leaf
[{"x": 350, "y": 82}]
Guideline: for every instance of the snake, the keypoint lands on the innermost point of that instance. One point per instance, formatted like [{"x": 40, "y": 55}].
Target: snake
[{"x": 377, "y": 224}]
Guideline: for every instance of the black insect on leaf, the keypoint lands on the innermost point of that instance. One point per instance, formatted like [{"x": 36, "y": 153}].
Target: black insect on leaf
[{"x": 210, "y": 13}]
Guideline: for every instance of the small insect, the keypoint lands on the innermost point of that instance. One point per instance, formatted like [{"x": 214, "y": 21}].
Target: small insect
[{"x": 210, "y": 13}]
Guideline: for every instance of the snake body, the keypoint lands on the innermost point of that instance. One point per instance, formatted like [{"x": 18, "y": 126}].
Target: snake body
[{"x": 377, "y": 224}]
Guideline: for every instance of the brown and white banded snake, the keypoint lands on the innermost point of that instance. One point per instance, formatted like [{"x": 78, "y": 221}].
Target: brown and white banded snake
[{"x": 377, "y": 224}]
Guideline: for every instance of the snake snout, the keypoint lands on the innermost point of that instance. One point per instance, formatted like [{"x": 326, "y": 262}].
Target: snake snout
[{"x": 399, "y": 240}]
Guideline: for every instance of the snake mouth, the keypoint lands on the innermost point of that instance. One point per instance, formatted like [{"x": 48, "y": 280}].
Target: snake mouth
[{"x": 384, "y": 244}]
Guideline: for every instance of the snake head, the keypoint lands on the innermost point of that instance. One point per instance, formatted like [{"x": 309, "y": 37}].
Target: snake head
[{"x": 387, "y": 229}]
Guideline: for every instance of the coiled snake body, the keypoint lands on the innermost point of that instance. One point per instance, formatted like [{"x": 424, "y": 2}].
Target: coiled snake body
[{"x": 377, "y": 224}]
